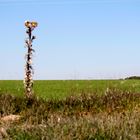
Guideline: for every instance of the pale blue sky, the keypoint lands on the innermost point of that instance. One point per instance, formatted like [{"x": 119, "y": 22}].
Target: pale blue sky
[{"x": 76, "y": 39}]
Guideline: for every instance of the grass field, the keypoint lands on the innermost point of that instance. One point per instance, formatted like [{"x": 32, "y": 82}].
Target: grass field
[
  {"x": 63, "y": 88},
  {"x": 71, "y": 110}
]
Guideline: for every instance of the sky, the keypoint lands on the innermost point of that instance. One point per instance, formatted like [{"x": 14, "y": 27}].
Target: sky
[{"x": 75, "y": 39}]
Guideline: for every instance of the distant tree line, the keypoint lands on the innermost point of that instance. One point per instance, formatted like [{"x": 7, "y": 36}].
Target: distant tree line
[{"x": 133, "y": 78}]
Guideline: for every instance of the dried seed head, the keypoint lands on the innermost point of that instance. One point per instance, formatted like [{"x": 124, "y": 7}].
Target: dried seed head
[
  {"x": 32, "y": 24},
  {"x": 28, "y": 24}
]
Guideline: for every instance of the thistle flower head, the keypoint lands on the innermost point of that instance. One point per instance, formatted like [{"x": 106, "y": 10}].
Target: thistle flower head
[{"x": 32, "y": 24}]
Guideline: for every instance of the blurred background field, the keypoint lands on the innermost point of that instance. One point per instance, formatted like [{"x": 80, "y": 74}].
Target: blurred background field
[{"x": 59, "y": 89}]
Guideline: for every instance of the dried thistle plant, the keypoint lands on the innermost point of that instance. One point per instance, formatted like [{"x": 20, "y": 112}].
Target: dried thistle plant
[{"x": 28, "y": 80}]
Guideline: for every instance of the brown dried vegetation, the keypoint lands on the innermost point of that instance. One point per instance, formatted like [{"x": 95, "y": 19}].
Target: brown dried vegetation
[{"x": 113, "y": 116}]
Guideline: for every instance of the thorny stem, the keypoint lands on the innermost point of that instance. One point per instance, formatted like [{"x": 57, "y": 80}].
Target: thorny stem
[{"x": 28, "y": 81}]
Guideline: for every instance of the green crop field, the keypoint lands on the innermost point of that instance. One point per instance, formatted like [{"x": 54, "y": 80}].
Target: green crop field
[
  {"x": 59, "y": 89},
  {"x": 71, "y": 110}
]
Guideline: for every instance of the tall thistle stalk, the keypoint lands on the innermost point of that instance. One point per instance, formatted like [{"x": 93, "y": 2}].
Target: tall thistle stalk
[{"x": 28, "y": 80}]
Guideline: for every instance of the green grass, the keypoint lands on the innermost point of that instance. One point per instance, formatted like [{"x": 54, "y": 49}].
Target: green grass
[{"x": 59, "y": 89}]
